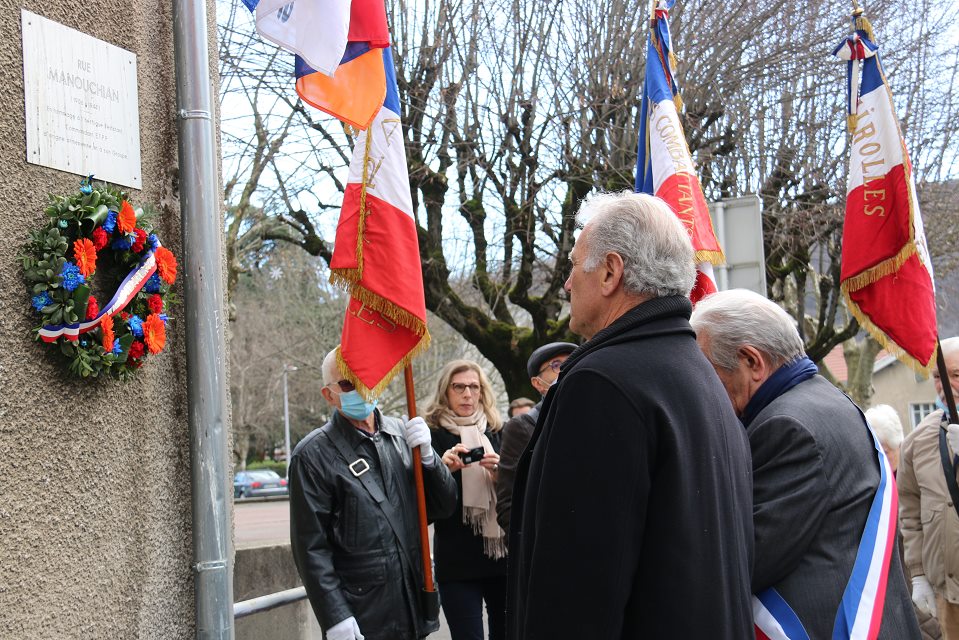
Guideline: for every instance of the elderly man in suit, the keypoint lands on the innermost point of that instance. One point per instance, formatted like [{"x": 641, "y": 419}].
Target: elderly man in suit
[{"x": 823, "y": 493}]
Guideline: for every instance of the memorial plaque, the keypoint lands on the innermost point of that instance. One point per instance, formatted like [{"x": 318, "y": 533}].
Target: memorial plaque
[{"x": 80, "y": 95}]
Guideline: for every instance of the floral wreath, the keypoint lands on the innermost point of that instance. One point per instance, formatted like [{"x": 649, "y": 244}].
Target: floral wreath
[{"x": 98, "y": 232}]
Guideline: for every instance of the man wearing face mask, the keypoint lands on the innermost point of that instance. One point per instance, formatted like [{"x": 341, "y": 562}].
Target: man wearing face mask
[
  {"x": 543, "y": 369},
  {"x": 353, "y": 517}
]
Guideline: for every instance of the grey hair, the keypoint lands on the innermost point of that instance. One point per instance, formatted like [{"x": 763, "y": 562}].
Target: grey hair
[
  {"x": 331, "y": 371},
  {"x": 885, "y": 422},
  {"x": 658, "y": 256},
  {"x": 949, "y": 346},
  {"x": 739, "y": 317}
]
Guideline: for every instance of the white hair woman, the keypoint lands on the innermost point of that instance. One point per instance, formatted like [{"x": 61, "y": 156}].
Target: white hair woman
[
  {"x": 886, "y": 425},
  {"x": 469, "y": 548}
]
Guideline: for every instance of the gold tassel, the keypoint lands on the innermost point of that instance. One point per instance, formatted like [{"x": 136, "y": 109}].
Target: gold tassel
[
  {"x": 862, "y": 24},
  {"x": 375, "y": 392},
  {"x": 852, "y": 122}
]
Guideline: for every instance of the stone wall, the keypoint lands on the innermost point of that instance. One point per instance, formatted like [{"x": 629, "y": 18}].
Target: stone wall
[{"x": 95, "y": 515}]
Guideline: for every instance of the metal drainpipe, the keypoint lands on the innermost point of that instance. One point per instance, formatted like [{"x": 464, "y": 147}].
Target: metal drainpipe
[
  {"x": 205, "y": 345},
  {"x": 722, "y": 271}
]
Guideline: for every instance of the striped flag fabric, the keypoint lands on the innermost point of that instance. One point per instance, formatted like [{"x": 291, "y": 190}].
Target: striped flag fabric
[
  {"x": 664, "y": 166},
  {"x": 376, "y": 254},
  {"x": 338, "y": 64},
  {"x": 886, "y": 276},
  {"x": 316, "y": 30}
]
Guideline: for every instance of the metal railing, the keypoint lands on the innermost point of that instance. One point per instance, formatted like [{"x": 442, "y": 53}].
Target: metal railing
[{"x": 267, "y": 602}]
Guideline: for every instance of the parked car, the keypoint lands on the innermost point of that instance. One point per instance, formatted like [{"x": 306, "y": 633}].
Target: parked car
[{"x": 259, "y": 483}]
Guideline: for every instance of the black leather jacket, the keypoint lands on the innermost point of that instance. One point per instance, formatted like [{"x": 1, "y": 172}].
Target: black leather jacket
[{"x": 355, "y": 538}]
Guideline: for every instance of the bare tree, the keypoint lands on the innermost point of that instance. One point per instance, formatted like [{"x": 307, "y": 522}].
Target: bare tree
[{"x": 515, "y": 110}]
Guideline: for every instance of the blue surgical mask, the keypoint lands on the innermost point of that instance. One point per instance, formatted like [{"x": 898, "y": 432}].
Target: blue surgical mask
[{"x": 352, "y": 405}]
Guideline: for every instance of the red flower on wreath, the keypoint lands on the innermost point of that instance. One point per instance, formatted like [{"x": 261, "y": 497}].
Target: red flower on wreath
[
  {"x": 106, "y": 327},
  {"x": 137, "y": 349},
  {"x": 127, "y": 218},
  {"x": 166, "y": 264},
  {"x": 140, "y": 240},
  {"x": 85, "y": 255},
  {"x": 93, "y": 308},
  {"x": 154, "y": 333},
  {"x": 100, "y": 238},
  {"x": 155, "y": 302}
]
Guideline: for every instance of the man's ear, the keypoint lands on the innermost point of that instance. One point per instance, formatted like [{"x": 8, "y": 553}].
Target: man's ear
[
  {"x": 539, "y": 385},
  {"x": 614, "y": 267},
  {"x": 754, "y": 360},
  {"x": 327, "y": 395}
]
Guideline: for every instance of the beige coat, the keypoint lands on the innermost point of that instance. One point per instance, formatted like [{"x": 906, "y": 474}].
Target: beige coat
[{"x": 927, "y": 517}]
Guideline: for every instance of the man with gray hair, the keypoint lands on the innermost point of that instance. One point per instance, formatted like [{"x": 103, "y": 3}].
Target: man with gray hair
[
  {"x": 631, "y": 512},
  {"x": 826, "y": 558},
  {"x": 353, "y": 526}
]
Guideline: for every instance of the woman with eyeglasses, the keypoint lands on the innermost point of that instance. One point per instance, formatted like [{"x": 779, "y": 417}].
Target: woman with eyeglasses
[{"x": 469, "y": 548}]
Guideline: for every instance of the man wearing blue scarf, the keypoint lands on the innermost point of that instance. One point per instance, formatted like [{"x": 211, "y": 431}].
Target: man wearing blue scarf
[
  {"x": 927, "y": 512},
  {"x": 817, "y": 472}
]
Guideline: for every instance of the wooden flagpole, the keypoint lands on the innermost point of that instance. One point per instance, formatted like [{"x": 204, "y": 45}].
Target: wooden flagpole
[{"x": 430, "y": 598}]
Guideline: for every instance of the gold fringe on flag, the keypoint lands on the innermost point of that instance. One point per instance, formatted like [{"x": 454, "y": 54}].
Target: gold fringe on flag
[
  {"x": 378, "y": 390},
  {"x": 879, "y": 271},
  {"x": 887, "y": 343},
  {"x": 712, "y": 257}
]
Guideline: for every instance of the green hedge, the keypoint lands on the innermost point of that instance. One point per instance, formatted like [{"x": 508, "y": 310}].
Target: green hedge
[{"x": 272, "y": 465}]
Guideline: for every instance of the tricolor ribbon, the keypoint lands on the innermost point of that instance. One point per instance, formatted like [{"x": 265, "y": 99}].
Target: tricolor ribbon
[
  {"x": 130, "y": 286},
  {"x": 860, "y": 610}
]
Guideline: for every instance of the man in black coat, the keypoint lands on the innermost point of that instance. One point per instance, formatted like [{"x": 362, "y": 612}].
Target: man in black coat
[
  {"x": 632, "y": 510},
  {"x": 543, "y": 369},
  {"x": 817, "y": 472},
  {"x": 353, "y": 517}
]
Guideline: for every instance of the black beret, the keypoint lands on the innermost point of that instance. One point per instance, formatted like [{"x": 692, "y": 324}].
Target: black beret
[{"x": 546, "y": 353}]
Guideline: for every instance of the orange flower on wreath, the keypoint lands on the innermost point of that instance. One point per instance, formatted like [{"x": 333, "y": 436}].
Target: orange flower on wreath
[
  {"x": 127, "y": 218},
  {"x": 85, "y": 255},
  {"x": 166, "y": 264},
  {"x": 106, "y": 326},
  {"x": 154, "y": 333}
]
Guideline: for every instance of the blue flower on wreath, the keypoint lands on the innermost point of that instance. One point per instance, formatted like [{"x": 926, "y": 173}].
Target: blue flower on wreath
[
  {"x": 117, "y": 349},
  {"x": 123, "y": 243},
  {"x": 136, "y": 326},
  {"x": 110, "y": 224},
  {"x": 164, "y": 317},
  {"x": 41, "y": 300},
  {"x": 72, "y": 278},
  {"x": 153, "y": 240},
  {"x": 153, "y": 284}
]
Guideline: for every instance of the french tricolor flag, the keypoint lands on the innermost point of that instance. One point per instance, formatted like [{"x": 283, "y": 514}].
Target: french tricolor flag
[
  {"x": 886, "y": 276},
  {"x": 664, "y": 167},
  {"x": 376, "y": 255}
]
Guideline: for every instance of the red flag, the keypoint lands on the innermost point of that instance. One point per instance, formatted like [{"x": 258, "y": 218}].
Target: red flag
[
  {"x": 886, "y": 273},
  {"x": 376, "y": 255}
]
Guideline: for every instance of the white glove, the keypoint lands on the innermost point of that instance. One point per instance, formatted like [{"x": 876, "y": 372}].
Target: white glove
[
  {"x": 952, "y": 437},
  {"x": 418, "y": 435},
  {"x": 345, "y": 630},
  {"x": 923, "y": 596}
]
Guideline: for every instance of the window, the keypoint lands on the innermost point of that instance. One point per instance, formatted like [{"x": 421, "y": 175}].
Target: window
[{"x": 919, "y": 410}]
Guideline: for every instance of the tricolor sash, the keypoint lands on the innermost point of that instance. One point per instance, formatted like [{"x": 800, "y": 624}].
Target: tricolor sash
[
  {"x": 860, "y": 610},
  {"x": 130, "y": 286}
]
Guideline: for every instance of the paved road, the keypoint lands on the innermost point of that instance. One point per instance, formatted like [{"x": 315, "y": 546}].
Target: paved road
[{"x": 266, "y": 523}]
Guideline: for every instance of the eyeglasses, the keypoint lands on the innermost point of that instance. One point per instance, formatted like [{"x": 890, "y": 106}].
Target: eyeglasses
[
  {"x": 552, "y": 364},
  {"x": 345, "y": 386},
  {"x": 461, "y": 388}
]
